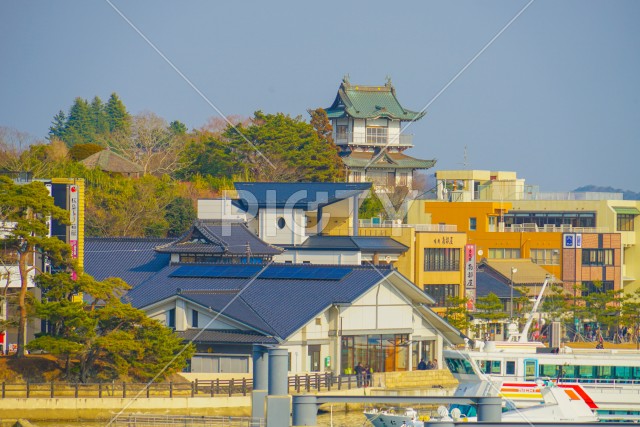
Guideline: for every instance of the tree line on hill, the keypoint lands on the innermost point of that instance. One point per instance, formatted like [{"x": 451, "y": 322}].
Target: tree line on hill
[{"x": 178, "y": 166}]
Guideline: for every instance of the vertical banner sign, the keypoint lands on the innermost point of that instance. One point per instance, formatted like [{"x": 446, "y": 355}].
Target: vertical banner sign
[
  {"x": 73, "y": 219},
  {"x": 470, "y": 275}
]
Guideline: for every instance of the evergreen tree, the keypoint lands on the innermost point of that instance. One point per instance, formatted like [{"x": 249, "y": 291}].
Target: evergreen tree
[
  {"x": 490, "y": 308},
  {"x": 80, "y": 126},
  {"x": 111, "y": 342},
  {"x": 457, "y": 314},
  {"x": 180, "y": 214},
  {"x": 58, "y": 126},
  {"x": 99, "y": 116},
  {"x": 371, "y": 207},
  {"x": 177, "y": 127},
  {"x": 24, "y": 214},
  {"x": 118, "y": 118}
]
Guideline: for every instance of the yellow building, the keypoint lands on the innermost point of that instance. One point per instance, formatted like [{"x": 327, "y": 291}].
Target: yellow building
[
  {"x": 434, "y": 261},
  {"x": 505, "y": 219}
]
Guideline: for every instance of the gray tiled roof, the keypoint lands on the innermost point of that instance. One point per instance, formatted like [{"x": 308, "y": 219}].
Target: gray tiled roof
[
  {"x": 351, "y": 243},
  {"x": 225, "y": 336},
  {"x": 133, "y": 260},
  {"x": 274, "y": 306},
  {"x": 219, "y": 237},
  {"x": 487, "y": 283}
]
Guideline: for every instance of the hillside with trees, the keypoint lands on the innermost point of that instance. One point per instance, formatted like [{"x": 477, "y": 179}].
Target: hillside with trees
[{"x": 178, "y": 166}]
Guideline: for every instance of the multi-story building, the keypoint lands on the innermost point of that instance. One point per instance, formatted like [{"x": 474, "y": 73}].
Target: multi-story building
[
  {"x": 67, "y": 193},
  {"x": 367, "y": 127},
  {"x": 578, "y": 237}
]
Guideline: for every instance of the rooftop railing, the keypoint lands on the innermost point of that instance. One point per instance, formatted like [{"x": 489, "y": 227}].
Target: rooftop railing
[
  {"x": 551, "y": 228},
  {"x": 378, "y": 223}
]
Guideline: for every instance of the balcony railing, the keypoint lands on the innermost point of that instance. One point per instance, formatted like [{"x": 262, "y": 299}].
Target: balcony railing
[
  {"x": 402, "y": 140},
  {"x": 377, "y": 223},
  {"x": 551, "y": 228}
]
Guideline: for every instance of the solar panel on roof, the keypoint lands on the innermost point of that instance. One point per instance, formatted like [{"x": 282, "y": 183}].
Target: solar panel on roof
[
  {"x": 305, "y": 273},
  {"x": 217, "y": 271}
]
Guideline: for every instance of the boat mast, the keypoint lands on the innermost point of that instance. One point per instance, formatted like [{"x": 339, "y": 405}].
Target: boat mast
[{"x": 525, "y": 331}]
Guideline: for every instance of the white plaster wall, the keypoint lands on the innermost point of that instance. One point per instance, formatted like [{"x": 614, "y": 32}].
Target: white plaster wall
[
  {"x": 422, "y": 328},
  {"x": 359, "y": 132},
  {"x": 160, "y": 312},
  {"x": 219, "y": 209},
  {"x": 385, "y": 309},
  {"x": 393, "y": 132},
  {"x": 293, "y": 232},
  {"x": 183, "y": 316},
  {"x": 320, "y": 257}
]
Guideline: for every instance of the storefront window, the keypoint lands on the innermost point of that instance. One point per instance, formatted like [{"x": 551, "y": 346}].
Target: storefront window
[{"x": 382, "y": 353}]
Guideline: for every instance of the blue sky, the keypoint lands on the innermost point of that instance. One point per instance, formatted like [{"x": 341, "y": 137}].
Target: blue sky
[{"x": 555, "y": 97}]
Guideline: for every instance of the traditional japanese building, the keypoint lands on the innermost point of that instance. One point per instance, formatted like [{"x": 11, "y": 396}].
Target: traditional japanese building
[{"x": 367, "y": 127}]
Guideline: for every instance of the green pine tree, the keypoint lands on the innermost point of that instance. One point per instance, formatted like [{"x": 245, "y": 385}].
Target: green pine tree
[
  {"x": 80, "y": 127},
  {"x": 99, "y": 116},
  {"x": 58, "y": 126},
  {"x": 118, "y": 117},
  {"x": 114, "y": 341}
]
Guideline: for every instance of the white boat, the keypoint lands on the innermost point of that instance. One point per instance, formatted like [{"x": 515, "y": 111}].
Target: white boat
[
  {"x": 556, "y": 407},
  {"x": 607, "y": 380}
]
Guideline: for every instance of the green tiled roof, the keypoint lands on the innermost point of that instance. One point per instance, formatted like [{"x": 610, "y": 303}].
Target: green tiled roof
[
  {"x": 369, "y": 102},
  {"x": 385, "y": 161}
]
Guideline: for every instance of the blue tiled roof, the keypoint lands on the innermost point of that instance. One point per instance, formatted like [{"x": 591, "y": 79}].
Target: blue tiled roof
[
  {"x": 133, "y": 260},
  {"x": 295, "y": 195},
  {"x": 276, "y": 307},
  {"x": 487, "y": 283}
]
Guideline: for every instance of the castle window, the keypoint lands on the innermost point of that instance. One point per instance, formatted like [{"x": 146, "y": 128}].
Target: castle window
[{"x": 376, "y": 135}]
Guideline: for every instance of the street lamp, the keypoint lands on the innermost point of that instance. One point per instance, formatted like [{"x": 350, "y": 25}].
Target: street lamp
[{"x": 513, "y": 271}]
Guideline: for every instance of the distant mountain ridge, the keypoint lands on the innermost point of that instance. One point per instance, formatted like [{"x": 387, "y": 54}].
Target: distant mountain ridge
[{"x": 627, "y": 194}]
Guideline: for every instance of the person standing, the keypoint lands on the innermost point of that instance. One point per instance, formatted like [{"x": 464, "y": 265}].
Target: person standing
[{"x": 359, "y": 374}]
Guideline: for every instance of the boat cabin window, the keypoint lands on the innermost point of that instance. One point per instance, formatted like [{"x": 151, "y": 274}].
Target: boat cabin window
[
  {"x": 551, "y": 371},
  {"x": 459, "y": 366},
  {"x": 490, "y": 366},
  {"x": 510, "y": 368},
  {"x": 530, "y": 368},
  {"x": 588, "y": 372}
]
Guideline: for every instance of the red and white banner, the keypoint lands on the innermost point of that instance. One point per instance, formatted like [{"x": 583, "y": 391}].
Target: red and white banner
[{"x": 470, "y": 275}]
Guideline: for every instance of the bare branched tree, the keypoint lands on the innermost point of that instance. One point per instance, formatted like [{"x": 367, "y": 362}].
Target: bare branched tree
[{"x": 150, "y": 143}]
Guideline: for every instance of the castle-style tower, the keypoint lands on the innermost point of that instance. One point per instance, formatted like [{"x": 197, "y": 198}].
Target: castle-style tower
[{"x": 367, "y": 124}]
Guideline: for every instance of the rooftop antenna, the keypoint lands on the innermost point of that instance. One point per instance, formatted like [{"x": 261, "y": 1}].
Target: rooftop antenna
[{"x": 465, "y": 158}]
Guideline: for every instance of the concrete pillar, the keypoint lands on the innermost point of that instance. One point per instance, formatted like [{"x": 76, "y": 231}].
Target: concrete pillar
[
  {"x": 278, "y": 400},
  {"x": 356, "y": 218},
  {"x": 305, "y": 410},
  {"x": 260, "y": 381},
  {"x": 278, "y": 371},
  {"x": 490, "y": 409}
]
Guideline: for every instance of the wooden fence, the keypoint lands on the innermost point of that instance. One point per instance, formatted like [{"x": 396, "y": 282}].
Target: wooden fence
[{"x": 197, "y": 388}]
